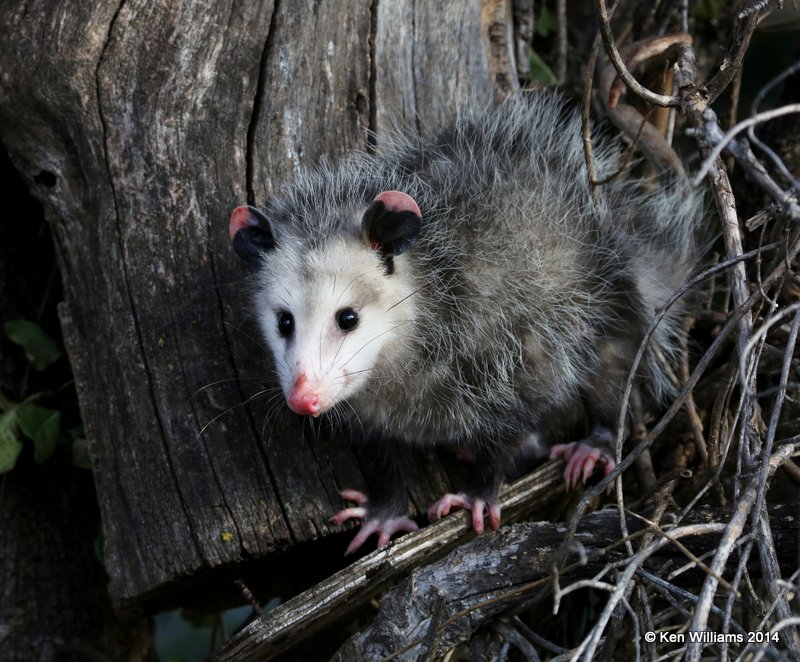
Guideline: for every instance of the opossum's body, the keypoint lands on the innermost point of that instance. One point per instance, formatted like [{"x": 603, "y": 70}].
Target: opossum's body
[{"x": 461, "y": 292}]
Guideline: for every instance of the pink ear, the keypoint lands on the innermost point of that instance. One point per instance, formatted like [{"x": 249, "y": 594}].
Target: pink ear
[
  {"x": 397, "y": 201},
  {"x": 242, "y": 217}
]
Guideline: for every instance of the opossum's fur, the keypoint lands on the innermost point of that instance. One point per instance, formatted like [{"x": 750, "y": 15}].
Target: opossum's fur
[{"x": 520, "y": 295}]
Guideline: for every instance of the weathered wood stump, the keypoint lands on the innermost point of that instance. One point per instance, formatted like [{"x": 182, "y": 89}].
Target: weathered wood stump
[{"x": 140, "y": 125}]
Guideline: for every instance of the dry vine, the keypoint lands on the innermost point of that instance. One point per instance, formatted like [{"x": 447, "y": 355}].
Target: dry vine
[
  {"x": 745, "y": 459},
  {"x": 738, "y": 470}
]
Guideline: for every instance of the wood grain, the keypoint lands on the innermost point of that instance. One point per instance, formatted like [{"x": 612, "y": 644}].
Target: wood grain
[{"x": 140, "y": 125}]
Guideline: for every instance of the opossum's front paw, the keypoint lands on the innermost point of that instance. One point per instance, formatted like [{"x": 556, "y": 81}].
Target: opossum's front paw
[
  {"x": 476, "y": 506},
  {"x": 582, "y": 459},
  {"x": 385, "y": 527}
]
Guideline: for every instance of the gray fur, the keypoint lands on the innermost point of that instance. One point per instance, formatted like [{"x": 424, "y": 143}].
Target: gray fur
[{"x": 527, "y": 297}]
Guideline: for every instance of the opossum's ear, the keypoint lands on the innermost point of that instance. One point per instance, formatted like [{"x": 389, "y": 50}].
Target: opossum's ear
[
  {"x": 391, "y": 223},
  {"x": 251, "y": 233}
]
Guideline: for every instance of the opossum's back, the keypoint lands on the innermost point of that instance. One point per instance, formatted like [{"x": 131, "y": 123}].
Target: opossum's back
[
  {"x": 505, "y": 198},
  {"x": 505, "y": 189},
  {"x": 508, "y": 218},
  {"x": 511, "y": 164},
  {"x": 527, "y": 255}
]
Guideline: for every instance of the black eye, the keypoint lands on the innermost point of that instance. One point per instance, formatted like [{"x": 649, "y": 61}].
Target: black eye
[
  {"x": 347, "y": 319},
  {"x": 285, "y": 324}
]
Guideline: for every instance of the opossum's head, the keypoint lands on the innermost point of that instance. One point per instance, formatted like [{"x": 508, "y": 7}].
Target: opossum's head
[{"x": 331, "y": 306}]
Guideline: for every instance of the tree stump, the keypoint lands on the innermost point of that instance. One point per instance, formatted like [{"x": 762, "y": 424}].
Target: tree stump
[{"x": 140, "y": 126}]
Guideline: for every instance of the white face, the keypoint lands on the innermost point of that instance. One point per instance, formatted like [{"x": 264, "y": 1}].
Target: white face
[{"x": 330, "y": 317}]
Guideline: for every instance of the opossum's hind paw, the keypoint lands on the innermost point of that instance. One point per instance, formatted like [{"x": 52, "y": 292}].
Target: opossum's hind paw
[
  {"x": 385, "y": 527},
  {"x": 476, "y": 506},
  {"x": 582, "y": 459}
]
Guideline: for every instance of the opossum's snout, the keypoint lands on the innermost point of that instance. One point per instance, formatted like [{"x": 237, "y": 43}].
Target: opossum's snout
[
  {"x": 310, "y": 394},
  {"x": 317, "y": 356},
  {"x": 304, "y": 398}
]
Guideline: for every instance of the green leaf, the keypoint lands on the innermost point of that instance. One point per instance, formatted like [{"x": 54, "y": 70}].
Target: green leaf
[
  {"x": 43, "y": 426},
  {"x": 39, "y": 347},
  {"x": 547, "y": 23},
  {"x": 10, "y": 446},
  {"x": 540, "y": 72}
]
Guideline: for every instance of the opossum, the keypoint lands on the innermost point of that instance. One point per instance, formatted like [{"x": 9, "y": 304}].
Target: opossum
[{"x": 464, "y": 290}]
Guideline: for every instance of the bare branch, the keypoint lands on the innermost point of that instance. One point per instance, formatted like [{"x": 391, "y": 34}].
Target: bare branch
[
  {"x": 619, "y": 65},
  {"x": 733, "y": 531},
  {"x": 629, "y": 120},
  {"x": 712, "y": 135},
  {"x": 732, "y": 62}
]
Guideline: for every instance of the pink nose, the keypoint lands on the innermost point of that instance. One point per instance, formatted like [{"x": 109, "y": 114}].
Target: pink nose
[{"x": 303, "y": 400}]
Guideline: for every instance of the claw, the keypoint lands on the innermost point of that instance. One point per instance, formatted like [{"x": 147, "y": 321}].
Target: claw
[
  {"x": 356, "y": 496},
  {"x": 384, "y": 527},
  {"x": 582, "y": 459},
  {"x": 349, "y": 513},
  {"x": 477, "y": 507},
  {"x": 357, "y": 512},
  {"x": 443, "y": 506}
]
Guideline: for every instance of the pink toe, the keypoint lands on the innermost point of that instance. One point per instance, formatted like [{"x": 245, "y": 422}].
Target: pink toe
[
  {"x": 444, "y": 505},
  {"x": 355, "y": 496},
  {"x": 590, "y": 460},
  {"x": 367, "y": 529},
  {"x": 349, "y": 513},
  {"x": 563, "y": 451},
  {"x": 477, "y": 516},
  {"x": 494, "y": 517},
  {"x": 582, "y": 461}
]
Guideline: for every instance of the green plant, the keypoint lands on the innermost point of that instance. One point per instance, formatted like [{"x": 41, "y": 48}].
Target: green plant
[{"x": 30, "y": 420}]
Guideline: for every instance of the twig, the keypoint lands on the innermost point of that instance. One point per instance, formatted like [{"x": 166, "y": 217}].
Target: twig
[
  {"x": 695, "y": 423},
  {"x": 613, "y": 54},
  {"x": 713, "y": 135},
  {"x": 732, "y": 62},
  {"x": 756, "y": 8},
  {"x": 561, "y": 62},
  {"x": 248, "y": 595},
  {"x": 627, "y": 118},
  {"x": 586, "y": 127},
  {"x": 587, "y": 646},
  {"x": 695, "y": 106},
  {"x": 776, "y": 160},
  {"x": 732, "y": 532}
]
